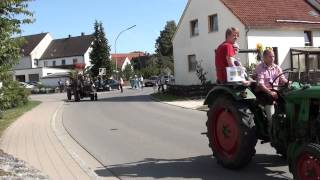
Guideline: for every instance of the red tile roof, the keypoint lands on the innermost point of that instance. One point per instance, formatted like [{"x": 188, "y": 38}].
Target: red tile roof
[
  {"x": 121, "y": 57},
  {"x": 266, "y": 13},
  {"x": 120, "y": 61},
  {"x": 129, "y": 55}
]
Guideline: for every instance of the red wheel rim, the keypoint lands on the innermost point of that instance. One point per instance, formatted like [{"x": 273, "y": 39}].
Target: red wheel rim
[
  {"x": 308, "y": 167},
  {"x": 225, "y": 133}
]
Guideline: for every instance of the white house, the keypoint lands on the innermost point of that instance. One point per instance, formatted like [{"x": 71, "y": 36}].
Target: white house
[
  {"x": 279, "y": 24},
  {"x": 64, "y": 53},
  {"x": 124, "y": 59},
  {"x": 43, "y": 56}
]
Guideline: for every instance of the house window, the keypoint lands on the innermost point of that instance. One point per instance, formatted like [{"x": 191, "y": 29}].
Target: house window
[
  {"x": 213, "y": 23},
  {"x": 53, "y": 63},
  {"x": 75, "y": 61},
  {"x": 194, "y": 28},
  {"x": 308, "y": 38},
  {"x": 63, "y": 62},
  {"x": 192, "y": 62},
  {"x": 36, "y": 62},
  {"x": 45, "y": 63}
]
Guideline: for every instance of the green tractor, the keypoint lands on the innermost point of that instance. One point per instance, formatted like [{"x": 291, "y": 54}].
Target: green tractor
[{"x": 236, "y": 121}]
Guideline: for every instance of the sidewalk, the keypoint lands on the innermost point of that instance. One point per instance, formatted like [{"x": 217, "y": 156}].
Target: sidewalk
[{"x": 38, "y": 137}]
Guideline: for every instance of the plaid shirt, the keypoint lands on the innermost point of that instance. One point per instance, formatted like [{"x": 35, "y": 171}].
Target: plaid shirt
[{"x": 266, "y": 75}]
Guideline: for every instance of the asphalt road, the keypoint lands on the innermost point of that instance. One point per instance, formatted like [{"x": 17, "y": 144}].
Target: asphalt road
[{"x": 137, "y": 138}]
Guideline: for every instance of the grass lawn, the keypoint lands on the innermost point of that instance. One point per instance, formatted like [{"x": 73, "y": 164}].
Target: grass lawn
[
  {"x": 167, "y": 97},
  {"x": 11, "y": 115}
]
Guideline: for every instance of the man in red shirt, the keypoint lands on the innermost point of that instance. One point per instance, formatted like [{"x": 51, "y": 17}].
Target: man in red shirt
[{"x": 224, "y": 53}]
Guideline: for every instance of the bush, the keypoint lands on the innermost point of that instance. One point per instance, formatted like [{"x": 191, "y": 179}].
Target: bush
[{"x": 13, "y": 95}]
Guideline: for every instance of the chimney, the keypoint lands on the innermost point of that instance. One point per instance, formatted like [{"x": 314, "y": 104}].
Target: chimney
[
  {"x": 82, "y": 33},
  {"x": 69, "y": 36}
]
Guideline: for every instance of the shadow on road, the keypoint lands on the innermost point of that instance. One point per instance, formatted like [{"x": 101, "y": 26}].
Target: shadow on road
[
  {"x": 201, "y": 167},
  {"x": 136, "y": 98}
]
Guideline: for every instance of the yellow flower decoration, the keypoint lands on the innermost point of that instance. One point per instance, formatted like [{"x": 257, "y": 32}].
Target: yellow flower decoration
[
  {"x": 269, "y": 48},
  {"x": 259, "y": 47}
]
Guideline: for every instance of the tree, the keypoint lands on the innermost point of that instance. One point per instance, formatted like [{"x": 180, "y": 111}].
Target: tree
[
  {"x": 127, "y": 72},
  {"x": 13, "y": 13},
  {"x": 164, "y": 47},
  {"x": 201, "y": 74},
  {"x": 100, "y": 54}
]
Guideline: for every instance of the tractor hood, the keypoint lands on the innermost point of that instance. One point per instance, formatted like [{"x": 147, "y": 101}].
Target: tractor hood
[{"x": 304, "y": 92}]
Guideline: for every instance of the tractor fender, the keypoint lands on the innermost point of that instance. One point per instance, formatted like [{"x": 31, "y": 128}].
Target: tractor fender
[{"x": 235, "y": 93}]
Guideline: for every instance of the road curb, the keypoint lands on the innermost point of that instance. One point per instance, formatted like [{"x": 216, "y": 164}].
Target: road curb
[{"x": 86, "y": 160}]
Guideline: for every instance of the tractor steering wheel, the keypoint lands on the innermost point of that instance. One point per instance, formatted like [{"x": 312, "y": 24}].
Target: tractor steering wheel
[{"x": 286, "y": 71}]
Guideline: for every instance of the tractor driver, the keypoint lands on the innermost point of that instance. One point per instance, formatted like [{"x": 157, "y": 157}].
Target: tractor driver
[
  {"x": 266, "y": 73},
  {"x": 224, "y": 54}
]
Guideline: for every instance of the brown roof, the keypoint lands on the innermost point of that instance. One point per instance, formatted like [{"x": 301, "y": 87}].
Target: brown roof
[
  {"x": 31, "y": 42},
  {"x": 68, "y": 47},
  {"x": 267, "y": 13}
]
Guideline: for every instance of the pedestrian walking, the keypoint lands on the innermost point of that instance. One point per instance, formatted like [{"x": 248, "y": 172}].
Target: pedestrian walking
[
  {"x": 121, "y": 84},
  {"x": 141, "y": 81},
  {"x": 60, "y": 84}
]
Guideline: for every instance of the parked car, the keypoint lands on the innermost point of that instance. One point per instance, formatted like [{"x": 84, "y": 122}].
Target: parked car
[
  {"x": 111, "y": 84},
  {"x": 151, "y": 81},
  {"x": 35, "y": 83},
  {"x": 26, "y": 85}
]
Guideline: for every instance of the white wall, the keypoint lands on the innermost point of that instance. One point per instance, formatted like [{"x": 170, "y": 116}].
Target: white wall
[
  {"x": 24, "y": 63},
  {"x": 69, "y": 61},
  {"x": 316, "y": 38},
  {"x": 87, "y": 59},
  {"x": 41, "y": 71},
  {"x": 283, "y": 39},
  {"x": 202, "y": 46},
  {"x": 53, "y": 82},
  {"x": 40, "y": 49},
  {"x": 126, "y": 62}
]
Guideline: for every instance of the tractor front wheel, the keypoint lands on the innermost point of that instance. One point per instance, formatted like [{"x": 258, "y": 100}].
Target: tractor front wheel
[
  {"x": 306, "y": 165},
  {"x": 231, "y": 132}
]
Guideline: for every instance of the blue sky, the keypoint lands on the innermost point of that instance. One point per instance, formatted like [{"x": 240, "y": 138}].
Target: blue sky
[{"x": 64, "y": 17}]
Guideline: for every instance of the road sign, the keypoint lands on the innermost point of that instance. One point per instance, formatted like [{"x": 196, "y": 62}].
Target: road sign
[{"x": 102, "y": 71}]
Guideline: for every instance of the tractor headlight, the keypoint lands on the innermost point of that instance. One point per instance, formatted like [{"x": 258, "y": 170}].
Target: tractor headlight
[{"x": 243, "y": 94}]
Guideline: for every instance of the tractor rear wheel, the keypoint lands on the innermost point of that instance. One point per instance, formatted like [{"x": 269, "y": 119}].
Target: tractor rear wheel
[
  {"x": 306, "y": 164},
  {"x": 231, "y": 132}
]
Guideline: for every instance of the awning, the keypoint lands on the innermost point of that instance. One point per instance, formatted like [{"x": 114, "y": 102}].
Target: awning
[{"x": 305, "y": 50}]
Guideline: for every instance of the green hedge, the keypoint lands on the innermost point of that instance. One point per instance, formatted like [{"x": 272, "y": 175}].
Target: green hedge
[{"x": 12, "y": 95}]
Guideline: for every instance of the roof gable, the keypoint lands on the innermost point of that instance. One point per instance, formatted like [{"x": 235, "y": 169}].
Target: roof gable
[
  {"x": 271, "y": 13},
  {"x": 68, "y": 47},
  {"x": 31, "y": 42}
]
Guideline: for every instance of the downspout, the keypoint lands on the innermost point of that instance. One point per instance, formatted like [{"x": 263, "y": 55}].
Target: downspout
[{"x": 247, "y": 45}]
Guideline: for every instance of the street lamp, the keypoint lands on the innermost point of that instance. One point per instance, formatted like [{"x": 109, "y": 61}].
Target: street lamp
[{"x": 115, "y": 43}]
